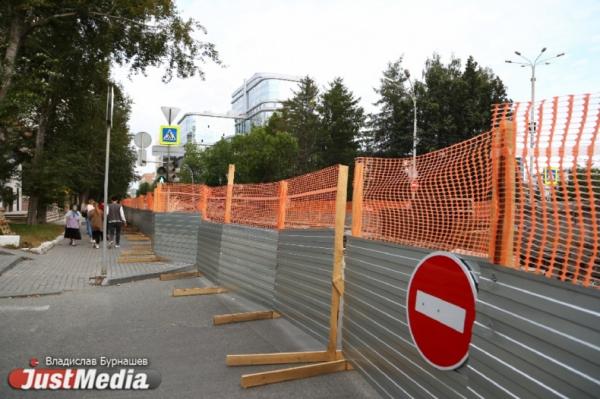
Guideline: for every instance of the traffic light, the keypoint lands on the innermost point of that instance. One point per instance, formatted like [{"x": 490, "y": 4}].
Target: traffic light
[{"x": 173, "y": 169}]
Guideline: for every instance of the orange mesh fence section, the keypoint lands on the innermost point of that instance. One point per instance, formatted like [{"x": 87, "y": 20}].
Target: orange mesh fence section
[
  {"x": 444, "y": 205},
  {"x": 556, "y": 187},
  {"x": 215, "y": 203},
  {"x": 176, "y": 197},
  {"x": 310, "y": 199},
  {"x": 255, "y": 204}
]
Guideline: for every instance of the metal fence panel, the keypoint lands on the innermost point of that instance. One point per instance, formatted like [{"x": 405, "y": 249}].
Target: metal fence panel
[
  {"x": 209, "y": 249},
  {"x": 535, "y": 337},
  {"x": 142, "y": 219},
  {"x": 303, "y": 280},
  {"x": 376, "y": 336},
  {"x": 248, "y": 261},
  {"x": 176, "y": 236}
]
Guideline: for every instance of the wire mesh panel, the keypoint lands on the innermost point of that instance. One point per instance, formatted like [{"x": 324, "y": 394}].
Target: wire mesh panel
[
  {"x": 441, "y": 201},
  {"x": 556, "y": 187},
  {"x": 311, "y": 199}
]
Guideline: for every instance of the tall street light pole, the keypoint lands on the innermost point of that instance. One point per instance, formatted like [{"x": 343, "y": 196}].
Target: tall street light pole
[
  {"x": 413, "y": 96},
  {"x": 532, "y": 64}
]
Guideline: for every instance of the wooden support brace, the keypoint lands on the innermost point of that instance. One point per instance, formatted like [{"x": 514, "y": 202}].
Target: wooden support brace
[
  {"x": 246, "y": 316},
  {"x": 137, "y": 252},
  {"x": 139, "y": 259},
  {"x": 255, "y": 359},
  {"x": 338, "y": 284},
  {"x": 294, "y": 373},
  {"x": 198, "y": 291},
  {"x": 137, "y": 238},
  {"x": 179, "y": 275}
]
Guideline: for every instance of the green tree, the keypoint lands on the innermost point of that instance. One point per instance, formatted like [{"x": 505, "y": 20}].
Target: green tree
[
  {"x": 260, "y": 156},
  {"x": 453, "y": 105},
  {"x": 389, "y": 131},
  {"x": 56, "y": 48},
  {"x": 299, "y": 117},
  {"x": 456, "y": 104},
  {"x": 141, "y": 33},
  {"x": 191, "y": 163},
  {"x": 143, "y": 189},
  {"x": 341, "y": 121}
]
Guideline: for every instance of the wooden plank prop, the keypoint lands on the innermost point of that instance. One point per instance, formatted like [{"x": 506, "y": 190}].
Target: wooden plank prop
[{"x": 329, "y": 361}]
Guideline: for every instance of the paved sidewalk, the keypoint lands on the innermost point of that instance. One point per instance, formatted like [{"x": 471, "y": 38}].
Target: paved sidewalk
[{"x": 66, "y": 268}]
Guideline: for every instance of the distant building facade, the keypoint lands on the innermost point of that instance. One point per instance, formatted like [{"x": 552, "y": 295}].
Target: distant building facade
[
  {"x": 205, "y": 128},
  {"x": 259, "y": 97}
]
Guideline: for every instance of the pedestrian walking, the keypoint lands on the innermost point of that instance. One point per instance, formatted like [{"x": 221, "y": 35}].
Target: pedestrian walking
[
  {"x": 96, "y": 220},
  {"x": 116, "y": 218},
  {"x": 86, "y": 214},
  {"x": 73, "y": 225}
]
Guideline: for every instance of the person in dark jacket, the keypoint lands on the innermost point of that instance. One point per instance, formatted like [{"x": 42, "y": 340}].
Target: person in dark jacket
[{"x": 116, "y": 218}]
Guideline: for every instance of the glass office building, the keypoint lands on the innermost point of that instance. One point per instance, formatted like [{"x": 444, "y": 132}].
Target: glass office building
[
  {"x": 205, "y": 128},
  {"x": 256, "y": 100}
]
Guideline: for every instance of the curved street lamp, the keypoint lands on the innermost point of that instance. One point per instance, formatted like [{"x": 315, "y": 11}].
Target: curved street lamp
[{"x": 532, "y": 64}]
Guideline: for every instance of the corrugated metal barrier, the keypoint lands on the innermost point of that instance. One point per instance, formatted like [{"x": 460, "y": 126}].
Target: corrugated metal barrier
[
  {"x": 209, "y": 249},
  {"x": 248, "y": 261},
  {"x": 303, "y": 279},
  {"x": 533, "y": 337},
  {"x": 142, "y": 219},
  {"x": 176, "y": 236}
]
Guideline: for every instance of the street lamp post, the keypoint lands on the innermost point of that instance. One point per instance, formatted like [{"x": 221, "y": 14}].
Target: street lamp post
[
  {"x": 190, "y": 169},
  {"x": 532, "y": 64},
  {"x": 413, "y": 96}
]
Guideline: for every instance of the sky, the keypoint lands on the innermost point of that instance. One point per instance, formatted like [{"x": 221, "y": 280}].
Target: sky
[{"x": 355, "y": 40}]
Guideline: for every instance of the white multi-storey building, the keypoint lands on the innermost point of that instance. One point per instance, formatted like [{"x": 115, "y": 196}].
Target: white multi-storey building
[{"x": 255, "y": 101}]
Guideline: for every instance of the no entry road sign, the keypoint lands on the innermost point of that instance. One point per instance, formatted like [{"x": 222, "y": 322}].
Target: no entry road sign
[{"x": 440, "y": 308}]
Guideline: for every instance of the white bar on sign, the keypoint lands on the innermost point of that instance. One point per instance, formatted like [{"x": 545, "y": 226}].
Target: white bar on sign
[{"x": 439, "y": 310}]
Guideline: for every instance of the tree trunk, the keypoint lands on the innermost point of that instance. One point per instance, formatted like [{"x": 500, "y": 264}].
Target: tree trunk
[
  {"x": 35, "y": 205},
  {"x": 17, "y": 29}
]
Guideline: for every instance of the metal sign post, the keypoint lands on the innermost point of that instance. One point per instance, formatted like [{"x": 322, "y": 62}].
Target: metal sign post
[
  {"x": 109, "y": 120},
  {"x": 170, "y": 113}
]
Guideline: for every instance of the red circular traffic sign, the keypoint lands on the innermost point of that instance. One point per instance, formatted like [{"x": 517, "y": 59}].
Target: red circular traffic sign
[{"x": 440, "y": 309}]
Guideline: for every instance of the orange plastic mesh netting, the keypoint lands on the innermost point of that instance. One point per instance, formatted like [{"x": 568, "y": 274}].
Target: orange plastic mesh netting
[
  {"x": 556, "y": 210},
  {"x": 444, "y": 205},
  {"x": 255, "y": 204},
  {"x": 311, "y": 199},
  {"x": 179, "y": 197},
  {"x": 215, "y": 203}
]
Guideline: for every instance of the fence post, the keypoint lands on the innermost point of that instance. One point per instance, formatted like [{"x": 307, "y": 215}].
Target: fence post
[
  {"x": 229, "y": 198},
  {"x": 357, "y": 198},
  {"x": 337, "y": 279},
  {"x": 283, "y": 190},
  {"x": 503, "y": 195},
  {"x": 204, "y": 201}
]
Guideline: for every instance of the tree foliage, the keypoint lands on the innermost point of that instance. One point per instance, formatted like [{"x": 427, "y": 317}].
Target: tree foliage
[
  {"x": 259, "y": 156},
  {"x": 325, "y": 125},
  {"x": 453, "y": 104},
  {"x": 53, "y": 79}
]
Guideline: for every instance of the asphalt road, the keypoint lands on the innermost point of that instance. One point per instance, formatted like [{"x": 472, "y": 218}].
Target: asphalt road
[{"x": 141, "y": 319}]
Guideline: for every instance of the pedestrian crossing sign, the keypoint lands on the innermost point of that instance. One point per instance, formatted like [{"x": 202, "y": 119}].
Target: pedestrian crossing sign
[{"x": 169, "y": 135}]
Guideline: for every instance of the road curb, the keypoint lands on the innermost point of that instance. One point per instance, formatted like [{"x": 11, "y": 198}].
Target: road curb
[
  {"x": 128, "y": 279},
  {"x": 18, "y": 259},
  {"x": 28, "y": 294}
]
